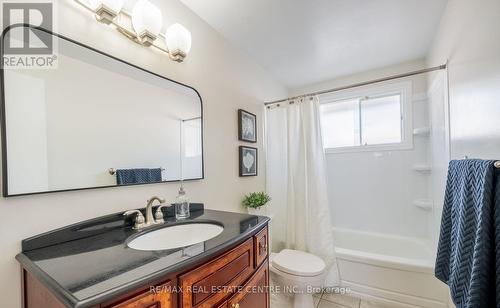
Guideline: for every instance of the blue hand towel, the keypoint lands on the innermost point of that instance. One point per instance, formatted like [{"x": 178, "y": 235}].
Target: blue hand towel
[
  {"x": 138, "y": 176},
  {"x": 469, "y": 244}
]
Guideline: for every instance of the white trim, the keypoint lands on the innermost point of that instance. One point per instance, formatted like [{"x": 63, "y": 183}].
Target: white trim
[
  {"x": 402, "y": 88},
  {"x": 420, "y": 97},
  {"x": 370, "y": 148}
]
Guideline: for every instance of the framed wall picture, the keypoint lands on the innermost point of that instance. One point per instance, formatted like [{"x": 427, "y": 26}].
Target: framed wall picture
[
  {"x": 247, "y": 126},
  {"x": 248, "y": 161}
]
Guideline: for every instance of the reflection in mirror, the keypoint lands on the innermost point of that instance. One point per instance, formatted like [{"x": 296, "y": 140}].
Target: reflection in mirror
[{"x": 95, "y": 121}]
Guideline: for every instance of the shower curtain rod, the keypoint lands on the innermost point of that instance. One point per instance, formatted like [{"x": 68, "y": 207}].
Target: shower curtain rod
[{"x": 422, "y": 71}]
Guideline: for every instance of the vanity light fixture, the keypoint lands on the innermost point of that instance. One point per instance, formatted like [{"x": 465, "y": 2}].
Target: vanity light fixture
[{"x": 143, "y": 25}]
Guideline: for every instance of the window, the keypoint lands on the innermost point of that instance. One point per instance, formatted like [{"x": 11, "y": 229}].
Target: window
[{"x": 367, "y": 120}]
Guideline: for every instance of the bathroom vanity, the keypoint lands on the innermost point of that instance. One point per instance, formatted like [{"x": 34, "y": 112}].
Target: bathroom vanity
[{"x": 90, "y": 264}]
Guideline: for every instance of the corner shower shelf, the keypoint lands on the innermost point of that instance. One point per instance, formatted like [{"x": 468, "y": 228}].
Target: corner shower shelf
[
  {"x": 422, "y": 168},
  {"x": 422, "y": 131},
  {"x": 423, "y": 204}
]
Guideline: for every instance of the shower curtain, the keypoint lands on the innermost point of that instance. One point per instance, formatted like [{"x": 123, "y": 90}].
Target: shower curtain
[{"x": 296, "y": 182}]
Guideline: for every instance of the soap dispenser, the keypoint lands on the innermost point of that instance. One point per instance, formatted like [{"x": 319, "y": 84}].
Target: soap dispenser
[{"x": 182, "y": 204}]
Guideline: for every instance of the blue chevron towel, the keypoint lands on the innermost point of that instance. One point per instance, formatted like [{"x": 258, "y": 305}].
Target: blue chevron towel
[
  {"x": 138, "y": 176},
  {"x": 468, "y": 257}
]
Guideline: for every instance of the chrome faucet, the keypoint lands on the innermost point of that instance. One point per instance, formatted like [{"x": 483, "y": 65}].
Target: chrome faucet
[
  {"x": 141, "y": 222},
  {"x": 149, "y": 210}
]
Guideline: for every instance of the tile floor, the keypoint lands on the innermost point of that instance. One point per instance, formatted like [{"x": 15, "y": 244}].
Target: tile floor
[
  {"x": 326, "y": 301},
  {"x": 344, "y": 301}
]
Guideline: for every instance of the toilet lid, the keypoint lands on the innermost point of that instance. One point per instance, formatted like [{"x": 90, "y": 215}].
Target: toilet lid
[{"x": 298, "y": 263}]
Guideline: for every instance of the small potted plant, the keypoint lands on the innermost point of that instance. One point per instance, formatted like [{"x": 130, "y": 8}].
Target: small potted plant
[{"x": 255, "y": 201}]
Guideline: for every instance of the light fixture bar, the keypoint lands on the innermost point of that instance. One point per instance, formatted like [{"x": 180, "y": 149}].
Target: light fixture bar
[{"x": 127, "y": 31}]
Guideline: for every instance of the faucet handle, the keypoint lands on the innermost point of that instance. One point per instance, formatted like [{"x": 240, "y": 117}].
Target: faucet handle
[
  {"x": 159, "y": 212},
  {"x": 139, "y": 218}
]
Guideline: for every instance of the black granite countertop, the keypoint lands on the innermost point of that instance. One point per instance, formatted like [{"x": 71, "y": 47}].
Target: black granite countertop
[{"x": 89, "y": 262}]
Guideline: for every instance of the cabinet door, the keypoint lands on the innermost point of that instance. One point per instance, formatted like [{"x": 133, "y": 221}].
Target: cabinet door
[
  {"x": 255, "y": 293},
  {"x": 148, "y": 299}
]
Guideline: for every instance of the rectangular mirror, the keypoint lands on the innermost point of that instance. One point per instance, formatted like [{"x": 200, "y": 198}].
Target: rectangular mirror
[{"x": 96, "y": 121}]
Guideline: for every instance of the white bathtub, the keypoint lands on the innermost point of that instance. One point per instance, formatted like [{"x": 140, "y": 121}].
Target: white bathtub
[{"x": 397, "y": 271}]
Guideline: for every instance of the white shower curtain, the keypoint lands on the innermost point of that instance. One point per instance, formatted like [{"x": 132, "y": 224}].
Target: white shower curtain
[{"x": 296, "y": 182}]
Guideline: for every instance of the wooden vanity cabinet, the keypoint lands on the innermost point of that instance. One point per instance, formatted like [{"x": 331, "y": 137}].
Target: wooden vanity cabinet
[
  {"x": 237, "y": 278},
  {"x": 207, "y": 285},
  {"x": 238, "y": 272}
]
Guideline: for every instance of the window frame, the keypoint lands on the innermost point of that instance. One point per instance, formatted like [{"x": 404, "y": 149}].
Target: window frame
[{"x": 404, "y": 89}]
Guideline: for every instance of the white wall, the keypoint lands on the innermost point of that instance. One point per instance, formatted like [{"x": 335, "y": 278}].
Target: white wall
[
  {"x": 468, "y": 37},
  {"x": 374, "y": 191},
  {"x": 226, "y": 79}
]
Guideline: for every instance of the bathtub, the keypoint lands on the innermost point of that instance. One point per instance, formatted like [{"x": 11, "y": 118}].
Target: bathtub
[{"x": 393, "y": 270}]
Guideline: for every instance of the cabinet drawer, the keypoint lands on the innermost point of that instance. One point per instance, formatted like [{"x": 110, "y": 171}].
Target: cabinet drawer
[
  {"x": 149, "y": 299},
  {"x": 261, "y": 246},
  {"x": 209, "y": 284},
  {"x": 255, "y": 292}
]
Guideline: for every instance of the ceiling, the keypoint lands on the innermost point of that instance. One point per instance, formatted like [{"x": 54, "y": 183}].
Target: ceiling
[{"x": 302, "y": 42}]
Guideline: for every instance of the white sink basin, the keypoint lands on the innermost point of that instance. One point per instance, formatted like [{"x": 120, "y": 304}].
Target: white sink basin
[{"x": 176, "y": 236}]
